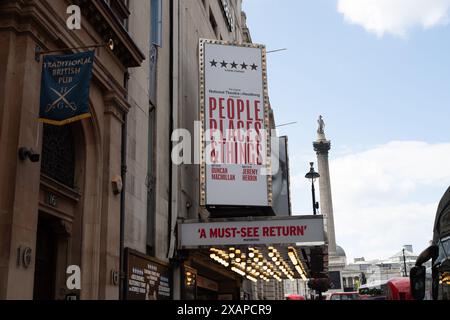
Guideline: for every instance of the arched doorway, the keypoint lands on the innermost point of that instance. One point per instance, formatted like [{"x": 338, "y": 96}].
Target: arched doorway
[{"x": 58, "y": 242}]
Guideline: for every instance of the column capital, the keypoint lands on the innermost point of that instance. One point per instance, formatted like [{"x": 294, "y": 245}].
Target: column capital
[{"x": 322, "y": 147}]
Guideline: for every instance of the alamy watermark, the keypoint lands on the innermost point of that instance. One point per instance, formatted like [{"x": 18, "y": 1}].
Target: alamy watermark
[
  {"x": 73, "y": 21},
  {"x": 74, "y": 277},
  {"x": 226, "y": 147}
]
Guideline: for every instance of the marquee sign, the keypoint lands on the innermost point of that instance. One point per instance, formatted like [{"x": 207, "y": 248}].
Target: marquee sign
[
  {"x": 292, "y": 230},
  {"x": 234, "y": 111},
  {"x": 227, "y": 12}
]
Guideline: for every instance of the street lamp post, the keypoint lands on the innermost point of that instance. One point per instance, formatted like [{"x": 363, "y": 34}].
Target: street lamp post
[{"x": 313, "y": 175}]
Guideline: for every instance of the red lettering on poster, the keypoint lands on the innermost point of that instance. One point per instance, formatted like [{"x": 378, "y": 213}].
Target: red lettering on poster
[
  {"x": 253, "y": 232},
  {"x": 236, "y": 127}
]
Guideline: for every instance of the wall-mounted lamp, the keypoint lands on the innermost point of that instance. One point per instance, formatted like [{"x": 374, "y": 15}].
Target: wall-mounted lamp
[
  {"x": 111, "y": 44},
  {"x": 25, "y": 153}
]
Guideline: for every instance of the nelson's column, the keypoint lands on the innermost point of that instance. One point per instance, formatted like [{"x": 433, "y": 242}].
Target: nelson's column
[{"x": 336, "y": 255}]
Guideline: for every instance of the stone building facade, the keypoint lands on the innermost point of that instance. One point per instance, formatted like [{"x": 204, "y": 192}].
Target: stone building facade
[
  {"x": 65, "y": 209},
  {"x": 193, "y": 20},
  {"x": 62, "y": 210}
]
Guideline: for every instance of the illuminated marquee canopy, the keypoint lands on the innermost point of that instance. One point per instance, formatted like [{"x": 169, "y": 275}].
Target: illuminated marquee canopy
[
  {"x": 259, "y": 249},
  {"x": 292, "y": 230}
]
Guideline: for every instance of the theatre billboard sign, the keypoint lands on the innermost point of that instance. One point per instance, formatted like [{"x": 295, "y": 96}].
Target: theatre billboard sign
[
  {"x": 234, "y": 111},
  {"x": 304, "y": 230}
]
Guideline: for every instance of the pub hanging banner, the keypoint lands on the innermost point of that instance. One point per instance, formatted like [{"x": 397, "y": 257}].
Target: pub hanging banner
[{"x": 65, "y": 88}]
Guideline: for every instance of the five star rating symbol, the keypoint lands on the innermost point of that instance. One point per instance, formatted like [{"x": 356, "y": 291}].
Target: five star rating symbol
[{"x": 233, "y": 65}]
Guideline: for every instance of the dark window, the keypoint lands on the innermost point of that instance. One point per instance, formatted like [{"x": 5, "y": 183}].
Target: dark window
[
  {"x": 213, "y": 22},
  {"x": 156, "y": 22},
  {"x": 120, "y": 8},
  {"x": 58, "y": 154}
]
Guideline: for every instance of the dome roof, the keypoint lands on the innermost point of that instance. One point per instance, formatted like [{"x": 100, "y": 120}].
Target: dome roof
[{"x": 340, "y": 252}]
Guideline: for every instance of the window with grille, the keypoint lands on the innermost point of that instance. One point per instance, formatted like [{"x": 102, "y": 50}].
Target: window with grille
[{"x": 58, "y": 154}]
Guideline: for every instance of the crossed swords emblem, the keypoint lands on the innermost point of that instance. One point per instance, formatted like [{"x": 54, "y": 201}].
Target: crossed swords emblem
[{"x": 61, "y": 98}]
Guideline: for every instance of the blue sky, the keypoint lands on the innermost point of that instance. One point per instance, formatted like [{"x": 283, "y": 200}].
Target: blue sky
[{"x": 375, "y": 85}]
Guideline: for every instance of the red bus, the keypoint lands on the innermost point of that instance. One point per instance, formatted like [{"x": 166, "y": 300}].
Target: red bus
[
  {"x": 392, "y": 289},
  {"x": 398, "y": 289}
]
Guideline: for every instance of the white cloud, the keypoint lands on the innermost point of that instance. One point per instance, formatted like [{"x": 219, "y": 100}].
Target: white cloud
[
  {"x": 387, "y": 197},
  {"x": 394, "y": 16}
]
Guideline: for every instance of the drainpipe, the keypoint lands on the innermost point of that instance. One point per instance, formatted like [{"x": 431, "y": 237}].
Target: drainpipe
[
  {"x": 122, "y": 276},
  {"x": 174, "y": 170}
]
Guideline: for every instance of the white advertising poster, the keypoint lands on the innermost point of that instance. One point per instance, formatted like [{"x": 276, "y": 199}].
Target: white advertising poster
[
  {"x": 234, "y": 112},
  {"x": 298, "y": 230},
  {"x": 280, "y": 182}
]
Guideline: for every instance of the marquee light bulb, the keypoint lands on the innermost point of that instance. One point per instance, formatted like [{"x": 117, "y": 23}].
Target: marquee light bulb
[{"x": 293, "y": 258}]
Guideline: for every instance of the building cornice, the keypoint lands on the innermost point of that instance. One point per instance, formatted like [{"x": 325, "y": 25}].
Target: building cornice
[
  {"x": 22, "y": 18},
  {"x": 116, "y": 105},
  {"x": 32, "y": 16},
  {"x": 108, "y": 26}
]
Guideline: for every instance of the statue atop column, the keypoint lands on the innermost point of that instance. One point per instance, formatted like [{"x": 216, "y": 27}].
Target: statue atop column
[{"x": 321, "y": 130}]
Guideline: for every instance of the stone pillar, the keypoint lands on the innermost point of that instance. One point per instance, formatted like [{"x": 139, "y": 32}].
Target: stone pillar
[
  {"x": 322, "y": 146},
  {"x": 19, "y": 186},
  {"x": 115, "y": 109}
]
